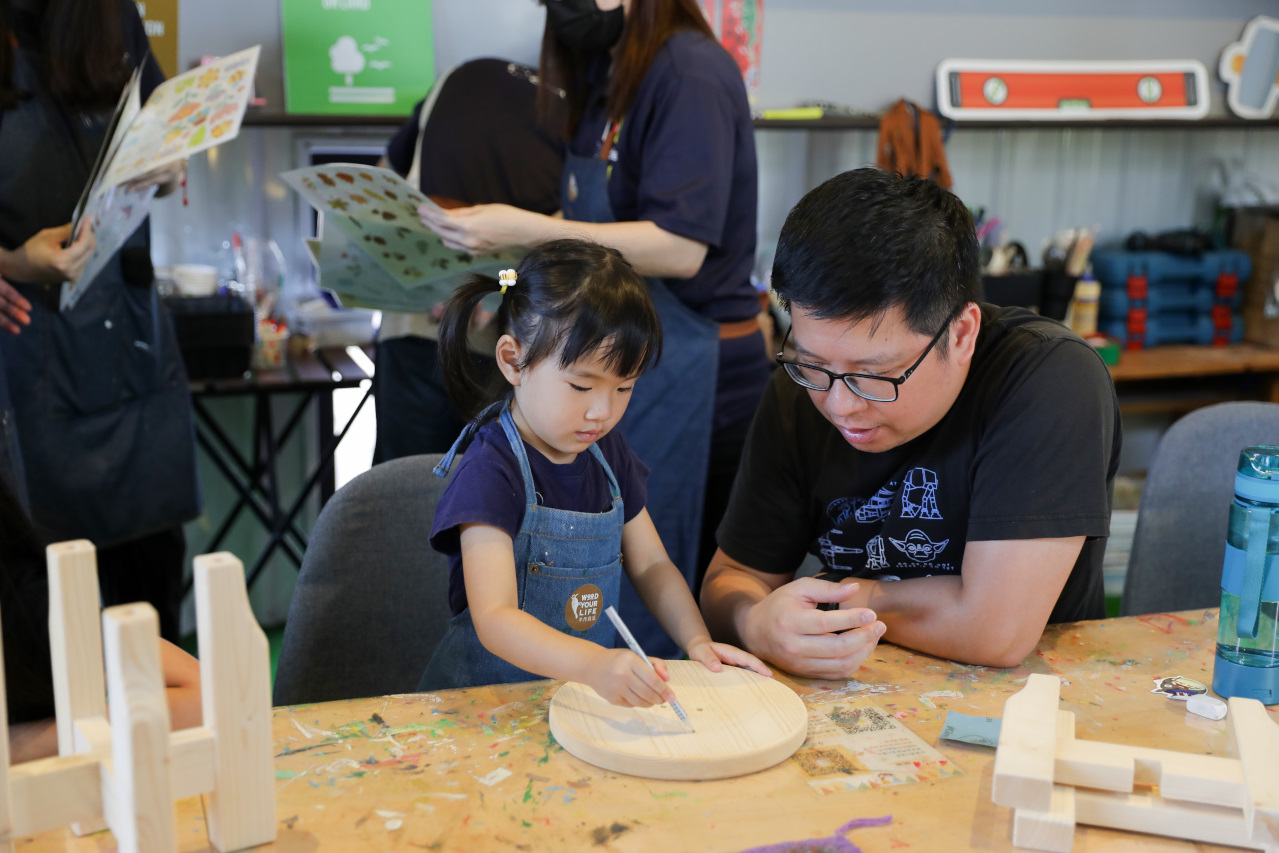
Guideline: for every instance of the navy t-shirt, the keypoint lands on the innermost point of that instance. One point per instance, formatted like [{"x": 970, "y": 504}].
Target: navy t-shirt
[
  {"x": 685, "y": 161},
  {"x": 487, "y": 488}
]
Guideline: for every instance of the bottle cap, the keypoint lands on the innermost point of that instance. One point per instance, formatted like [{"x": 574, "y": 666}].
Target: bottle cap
[{"x": 1257, "y": 475}]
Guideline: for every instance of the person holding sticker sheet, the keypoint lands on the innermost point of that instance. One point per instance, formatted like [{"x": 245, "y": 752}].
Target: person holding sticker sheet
[
  {"x": 99, "y": 394},
  {"x": 950, "y": 462},
  {"x": 661, "y": 166},
  {"x": 547, "y": 508},
  {"x": 475, "y": 139}
]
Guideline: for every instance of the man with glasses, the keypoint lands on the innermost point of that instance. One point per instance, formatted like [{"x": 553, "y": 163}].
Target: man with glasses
[{"x": 950, "y": 462}]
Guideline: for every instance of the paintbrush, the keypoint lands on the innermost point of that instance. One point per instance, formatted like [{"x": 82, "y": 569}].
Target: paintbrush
[{"x": 635, "y": 647}]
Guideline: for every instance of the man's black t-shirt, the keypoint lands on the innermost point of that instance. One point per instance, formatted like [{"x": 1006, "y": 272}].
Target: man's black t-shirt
[{"x": 1028, "y": 450}]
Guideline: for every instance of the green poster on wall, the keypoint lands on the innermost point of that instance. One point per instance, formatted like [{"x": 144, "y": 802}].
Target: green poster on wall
[{"x": 356, "y": 57}]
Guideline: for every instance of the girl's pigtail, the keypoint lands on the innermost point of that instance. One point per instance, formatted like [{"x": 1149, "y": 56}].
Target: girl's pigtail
[{"x": 465, "y": 381}]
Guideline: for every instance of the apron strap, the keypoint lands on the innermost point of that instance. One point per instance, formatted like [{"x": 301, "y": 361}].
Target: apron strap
[
  {"x": 517, "y": 445},
  {"x": 414, "y": 177},
  {"x": 614, "y": 490},
  {"x": 441, "y": 470}
]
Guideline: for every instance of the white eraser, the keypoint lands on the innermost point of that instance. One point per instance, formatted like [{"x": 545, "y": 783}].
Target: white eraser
[{"x": 1206, "y": 706}]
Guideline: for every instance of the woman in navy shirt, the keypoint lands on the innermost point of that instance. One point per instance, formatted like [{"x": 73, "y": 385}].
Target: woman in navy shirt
[{"x": 661, "y": 166}]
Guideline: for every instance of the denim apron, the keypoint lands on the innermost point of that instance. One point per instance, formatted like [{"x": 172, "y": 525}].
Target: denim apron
[
  {"x": 668, "y": 422},
  {"x": 567, "y": 568},
  {"x": 99, "y": 392}
]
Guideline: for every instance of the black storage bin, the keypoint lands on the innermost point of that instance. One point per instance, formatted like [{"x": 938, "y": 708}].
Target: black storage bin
[
  {"x": 215, "y": 334},
  {"x": 1020, "y": 289}
]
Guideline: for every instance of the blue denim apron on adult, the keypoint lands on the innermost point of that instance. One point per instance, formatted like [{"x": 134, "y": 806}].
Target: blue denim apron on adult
[
  {"x": 668, "y": 422},
  {"x": 567, "y": 568}
]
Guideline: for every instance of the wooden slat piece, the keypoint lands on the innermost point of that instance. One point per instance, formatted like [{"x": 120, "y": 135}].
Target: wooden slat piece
[
  {"x": 1052, "y": 830},
  {"x": 1024, "y": 761},
  {"x": 1160, "y": 816},
  {"x": 75, "y": 636},
  {"x": 50, "y": 793},
  {"x": 1206, "y": 779},
  {"x": 235, "y": 681},
  {"x": 1257, "y": 744},
  {"x": 137, "y": 794},
  {"x": 75, "y": 640},
  {"x": 191, "y": 762}
]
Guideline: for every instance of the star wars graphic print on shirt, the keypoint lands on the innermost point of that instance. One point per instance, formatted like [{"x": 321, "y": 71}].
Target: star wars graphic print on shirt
[{"x": 888, "y": 536}]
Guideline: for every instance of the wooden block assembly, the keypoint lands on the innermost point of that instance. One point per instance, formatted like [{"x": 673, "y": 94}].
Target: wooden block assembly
[
  {"x": 128, "y": 773},
  {"x": 1201, "y": 797}
]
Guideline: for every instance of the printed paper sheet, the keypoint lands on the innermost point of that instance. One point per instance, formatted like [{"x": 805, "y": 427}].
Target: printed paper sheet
[{"x": 856, "y": 745}]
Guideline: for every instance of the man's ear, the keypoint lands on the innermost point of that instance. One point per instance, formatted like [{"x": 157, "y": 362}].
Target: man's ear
[
  {"x": 963, "y": 339},
  {"x": 509, "y": 353}
]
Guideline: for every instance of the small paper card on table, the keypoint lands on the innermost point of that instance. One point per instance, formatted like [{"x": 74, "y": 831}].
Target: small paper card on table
[
  {"x": 374, "y": 250},
  {"x": 855, "y": 745},
  {"x": 983, "y": 731}
]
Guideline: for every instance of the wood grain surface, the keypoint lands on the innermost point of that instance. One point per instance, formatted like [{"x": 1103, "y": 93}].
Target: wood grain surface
[{"x": 741, "y": 723}]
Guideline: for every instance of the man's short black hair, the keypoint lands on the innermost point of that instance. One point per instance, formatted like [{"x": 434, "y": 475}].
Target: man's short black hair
[{"x": 867, "y": 240}]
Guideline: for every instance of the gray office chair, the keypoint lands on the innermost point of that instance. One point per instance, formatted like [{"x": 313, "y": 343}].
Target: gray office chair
[
  {"x": 1180, "y": 540},
  {"x": 372, "y": 596}
]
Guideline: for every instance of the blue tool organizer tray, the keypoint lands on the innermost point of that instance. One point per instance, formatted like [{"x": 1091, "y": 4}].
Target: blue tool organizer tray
[{"x": 1152, "y": 298}]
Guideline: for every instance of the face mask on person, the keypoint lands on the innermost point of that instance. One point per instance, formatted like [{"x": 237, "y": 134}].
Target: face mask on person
[{"x": 581, "y": 25}]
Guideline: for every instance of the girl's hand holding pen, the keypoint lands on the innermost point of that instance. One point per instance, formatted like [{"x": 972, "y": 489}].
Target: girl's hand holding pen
[{"x": 622, "y": 677}]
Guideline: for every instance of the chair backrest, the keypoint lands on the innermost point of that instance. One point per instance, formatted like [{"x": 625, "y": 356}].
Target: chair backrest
[
  {"x": 371, "y": 601},
  {"x": 1180, "y": 540}
]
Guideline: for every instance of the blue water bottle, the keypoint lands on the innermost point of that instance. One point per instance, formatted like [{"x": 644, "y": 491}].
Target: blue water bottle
[{"x": 1248, "y": 633}]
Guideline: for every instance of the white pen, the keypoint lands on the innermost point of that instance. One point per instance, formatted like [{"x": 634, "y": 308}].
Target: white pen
[{"x": 635, "y": 647}]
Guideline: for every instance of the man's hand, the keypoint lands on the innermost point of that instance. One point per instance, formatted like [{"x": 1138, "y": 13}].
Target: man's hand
[
  {"x": 15, "y": 310},
  {"x": 786, "y": 627},
  {"x": 43, "y": 259}
]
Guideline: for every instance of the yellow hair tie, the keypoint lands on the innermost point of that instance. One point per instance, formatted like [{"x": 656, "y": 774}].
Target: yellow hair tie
[{"x": 507, "y": 279}]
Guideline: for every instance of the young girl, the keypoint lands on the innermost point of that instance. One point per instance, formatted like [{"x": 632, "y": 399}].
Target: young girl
[{"x": 546, "y": 509}]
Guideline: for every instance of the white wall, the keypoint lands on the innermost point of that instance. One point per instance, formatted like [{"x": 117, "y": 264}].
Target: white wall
[{"x": 869, "y": 53}]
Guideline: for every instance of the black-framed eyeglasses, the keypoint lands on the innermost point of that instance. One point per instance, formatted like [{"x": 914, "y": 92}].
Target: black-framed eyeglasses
[{"x": 878, "y": 389}]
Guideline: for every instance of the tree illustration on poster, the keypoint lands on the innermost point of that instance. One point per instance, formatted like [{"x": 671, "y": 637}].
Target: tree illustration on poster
[{"x": 356, "y": 57}]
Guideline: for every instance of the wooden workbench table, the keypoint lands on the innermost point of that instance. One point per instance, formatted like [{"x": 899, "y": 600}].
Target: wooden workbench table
[
  {"x": 1181, "y": 378},
  {"x": 477, "y": 770}
]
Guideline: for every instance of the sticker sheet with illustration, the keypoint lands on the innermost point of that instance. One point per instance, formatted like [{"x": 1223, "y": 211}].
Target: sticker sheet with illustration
[
  {"x": 185, "y": 115},
  {"x": 856, "y": 745},
  {"x": 1178, "y": 687},
  {"x": 384, "y": 256}
]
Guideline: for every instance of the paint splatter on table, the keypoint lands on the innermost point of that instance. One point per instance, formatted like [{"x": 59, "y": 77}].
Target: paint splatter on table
[{"x": 477, "y": 770}]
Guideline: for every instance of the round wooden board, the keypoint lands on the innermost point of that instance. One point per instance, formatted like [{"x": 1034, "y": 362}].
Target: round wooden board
[{"x": 743, "y": 723}]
